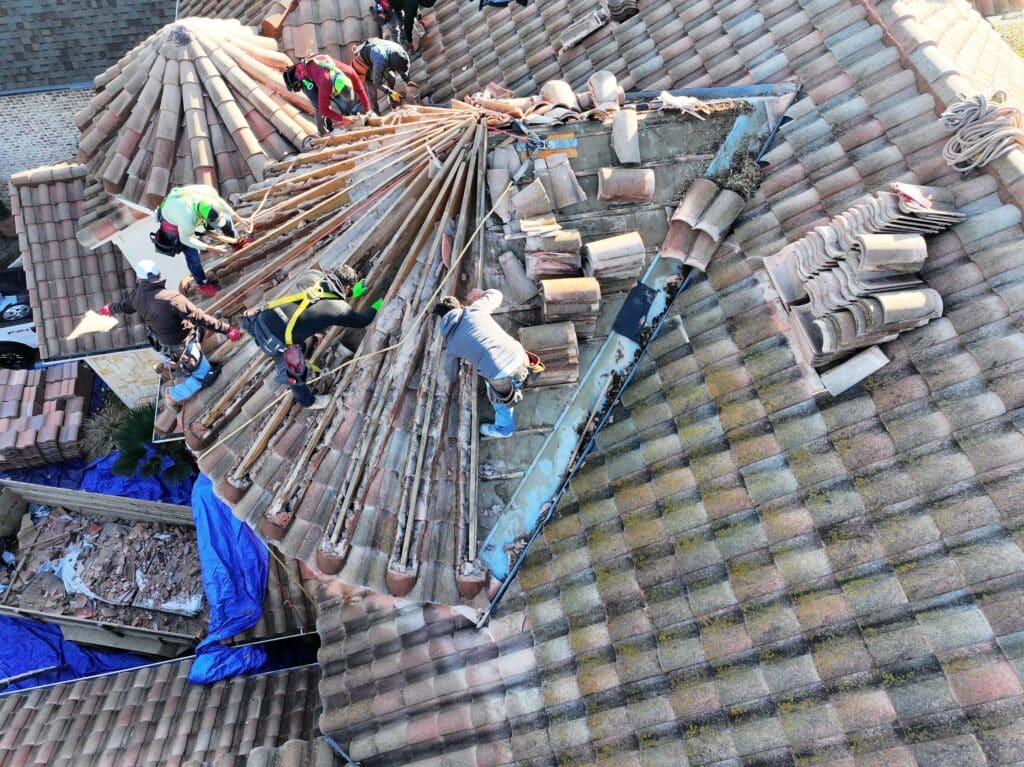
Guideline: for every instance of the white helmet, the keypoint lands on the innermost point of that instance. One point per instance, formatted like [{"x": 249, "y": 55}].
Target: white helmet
[{"x": 147, "y": 270}]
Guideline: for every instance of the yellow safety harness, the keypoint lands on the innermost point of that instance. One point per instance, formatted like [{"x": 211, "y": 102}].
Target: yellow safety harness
[{"x": 304, "y": 299}]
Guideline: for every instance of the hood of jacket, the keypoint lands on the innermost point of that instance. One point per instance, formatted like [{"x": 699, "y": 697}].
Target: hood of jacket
[{"x": 450, "y": 320}]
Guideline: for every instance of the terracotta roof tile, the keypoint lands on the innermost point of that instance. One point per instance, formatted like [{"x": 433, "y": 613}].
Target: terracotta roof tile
[
  {"x": 176, "y": 97},
  {"x": 48, "y": 202},
  {"x": 195, "y": 722}
]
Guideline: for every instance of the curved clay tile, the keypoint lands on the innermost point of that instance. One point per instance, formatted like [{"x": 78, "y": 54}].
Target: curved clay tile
[
  {"x": 327, "y": 27},
  {"x": 200, "y": 101}
]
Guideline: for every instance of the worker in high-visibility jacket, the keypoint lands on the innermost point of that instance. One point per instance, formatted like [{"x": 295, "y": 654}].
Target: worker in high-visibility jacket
[
  {"x": 332, "y": 86},
  {"x": 185, "y": 213},
  {"x": 281, "y": 327}
]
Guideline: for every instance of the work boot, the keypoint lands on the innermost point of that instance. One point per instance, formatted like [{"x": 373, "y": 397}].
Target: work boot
[
  {"x": 320, "y": 402},
  {"x": 210, "y": 289},
  {"x": 492, "y": 430}
]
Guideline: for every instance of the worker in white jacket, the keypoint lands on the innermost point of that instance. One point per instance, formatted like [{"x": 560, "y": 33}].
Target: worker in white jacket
[{"x": 186, "y": 212}]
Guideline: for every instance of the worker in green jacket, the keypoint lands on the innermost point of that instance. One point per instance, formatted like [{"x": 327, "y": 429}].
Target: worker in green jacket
[{"x": 186, "y": 212}]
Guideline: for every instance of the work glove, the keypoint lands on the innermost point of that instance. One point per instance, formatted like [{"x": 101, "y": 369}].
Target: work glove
[
  {"x": 394, "y": 97},
  {"x": 376, "y": 305},
  {"x": 234, "y": 334},
  {"x": 358, "y": 289},
  {"x": 105, "y": 311}
]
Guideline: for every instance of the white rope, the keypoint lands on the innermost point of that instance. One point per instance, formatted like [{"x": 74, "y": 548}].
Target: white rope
[{"x": 985, "y": 130}]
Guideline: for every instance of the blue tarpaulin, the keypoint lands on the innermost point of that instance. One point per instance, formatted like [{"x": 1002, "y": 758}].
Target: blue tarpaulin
[
  {"x": 30, "y": 646},
  {"x": 234, "y": 563},
  {"x": 97, "y": 478}
]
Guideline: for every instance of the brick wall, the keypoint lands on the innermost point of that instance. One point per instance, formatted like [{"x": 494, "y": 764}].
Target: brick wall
[
  {"x": 54, "y": 42},
  {"x": 38, "y": 129}
]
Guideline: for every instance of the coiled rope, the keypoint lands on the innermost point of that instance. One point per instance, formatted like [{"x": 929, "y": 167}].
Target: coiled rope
[{"x": 986, "y": 129}]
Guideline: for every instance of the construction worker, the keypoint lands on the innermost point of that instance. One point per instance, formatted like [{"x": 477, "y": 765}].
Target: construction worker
[
  {"x": 334, "y": 89},
  {"x": 173, "y": 327},
  {"x": 471, "y": 334},
  {"x": 407, "y": 12},
  {"x": 281, "y": 328},
  {"x": 381, "y": 63},
  {"x": 185, "y": 212}
]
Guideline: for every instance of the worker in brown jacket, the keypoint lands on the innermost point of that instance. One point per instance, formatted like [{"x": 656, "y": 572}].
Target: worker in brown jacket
[{"x": 173, "y": 327}]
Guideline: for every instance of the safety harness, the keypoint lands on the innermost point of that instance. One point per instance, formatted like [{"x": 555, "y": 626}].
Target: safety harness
[
  {"x": 305, "y": 299},
  {"x": 327, "y": 63}
]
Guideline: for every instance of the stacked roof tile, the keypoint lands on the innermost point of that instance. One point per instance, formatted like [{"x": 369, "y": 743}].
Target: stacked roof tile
[
  {"x": 154, "y": 716},
  {"x": 41, "y": 414},
  {"x": 64, "y": 278},
  {"x": 201, "y": 101}
]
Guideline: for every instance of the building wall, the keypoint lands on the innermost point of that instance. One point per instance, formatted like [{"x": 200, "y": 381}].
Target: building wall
[
  {"x": 38, "y": 129},
  {"x": 129, "y": 374}
]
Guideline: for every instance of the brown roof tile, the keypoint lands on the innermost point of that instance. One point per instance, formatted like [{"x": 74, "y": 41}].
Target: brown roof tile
[
  {"x": 206, "y": 724},
  {"x": 174, "y": 96},
  {"x": 48, "y": 202}
]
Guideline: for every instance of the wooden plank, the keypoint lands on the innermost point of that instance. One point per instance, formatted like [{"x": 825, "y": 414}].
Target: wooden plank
[{"x": 105, "y": 505}]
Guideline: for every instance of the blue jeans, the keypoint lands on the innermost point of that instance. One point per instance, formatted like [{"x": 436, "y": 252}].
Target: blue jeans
[
  {"x": 504, "y": 418},
  {"x": 195, "y": 266},
  {"x": 185, "y": 389},
  {"x": 503, "y": 394}
]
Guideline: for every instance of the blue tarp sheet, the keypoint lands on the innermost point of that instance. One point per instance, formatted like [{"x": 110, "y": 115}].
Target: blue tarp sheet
[
  {"x": 235, "y": 564},
  {"x": 97, "y": 478},
  {"x": 30, "y": 646}
]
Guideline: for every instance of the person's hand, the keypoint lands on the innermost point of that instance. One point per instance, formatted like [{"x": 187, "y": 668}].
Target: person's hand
[
  {"x": 105, "y": 311},
  {"x": 234, "y": 334},
  {"x": 358, "y": 289},
  {"x": 376, "y": 305},
  {"x": 217, "y": 249},
  {"x": 475, "y": 295}
]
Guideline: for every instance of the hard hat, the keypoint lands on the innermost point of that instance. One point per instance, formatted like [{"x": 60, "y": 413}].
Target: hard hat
[{"x": 146, "y": 270}]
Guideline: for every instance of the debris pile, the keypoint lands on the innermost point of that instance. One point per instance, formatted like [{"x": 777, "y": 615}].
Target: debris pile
[
  {"x": 41, "y": 414},
  {"x": 852, "y": 284},
  {"x": 556, "y": 103},
  {"x": 141, "y": 574}
]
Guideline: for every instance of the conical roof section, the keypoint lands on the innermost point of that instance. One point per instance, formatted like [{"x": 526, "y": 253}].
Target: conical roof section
[{"x": 200, "y": 101}]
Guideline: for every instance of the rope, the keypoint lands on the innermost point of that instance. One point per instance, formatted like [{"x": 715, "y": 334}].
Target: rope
[
  {"x": 292, "y": 578},
  {"x": 985, "y": 131},
  {"x": 414, "y": 325},
  {"x": 250, "y": 221}
]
